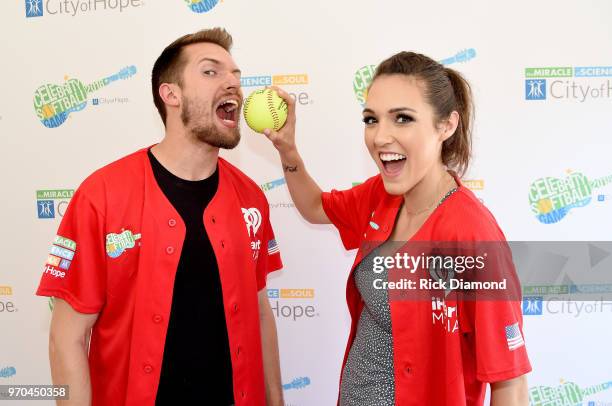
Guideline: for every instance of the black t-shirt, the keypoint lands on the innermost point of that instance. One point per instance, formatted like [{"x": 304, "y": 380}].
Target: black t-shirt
[{"x": 196, "y": 367}]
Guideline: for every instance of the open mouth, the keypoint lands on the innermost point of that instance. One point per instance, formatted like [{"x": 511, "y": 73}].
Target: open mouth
[
  {"x": 392, "y": 163},
  {"x": 227, "y": 111}
]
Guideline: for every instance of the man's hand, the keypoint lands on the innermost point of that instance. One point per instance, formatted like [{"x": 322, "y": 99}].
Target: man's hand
[{"x": 284, "y": 139}]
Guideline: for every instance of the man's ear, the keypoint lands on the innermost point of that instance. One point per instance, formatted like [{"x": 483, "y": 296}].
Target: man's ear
[{"x": 170, "y": 93}]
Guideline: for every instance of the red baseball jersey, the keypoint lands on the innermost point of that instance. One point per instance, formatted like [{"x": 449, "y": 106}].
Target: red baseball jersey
[
  {"x": 116, "y": 253},
  {"x": 438, "y": 361}
]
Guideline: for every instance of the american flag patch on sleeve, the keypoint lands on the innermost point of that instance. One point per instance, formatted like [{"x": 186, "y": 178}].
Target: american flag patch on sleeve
[
  {"x": 272, "y": 247},
  {"x": 514, "y": 337}
]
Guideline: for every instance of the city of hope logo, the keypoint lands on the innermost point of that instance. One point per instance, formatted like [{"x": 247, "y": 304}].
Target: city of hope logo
[
  {"x": 293, "y": 311},
  {"x": 579, "y": 83},
  {"x": 74, "y": 8},
  {"x": 6, "y": 305},
  {"x": 52, "y": 203}
]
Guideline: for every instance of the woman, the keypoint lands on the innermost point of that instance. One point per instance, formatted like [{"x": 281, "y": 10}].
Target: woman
[{"x": 417, "y": 120}]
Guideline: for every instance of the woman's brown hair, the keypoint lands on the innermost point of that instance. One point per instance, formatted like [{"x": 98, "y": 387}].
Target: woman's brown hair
[{"x": 446, "y": 90}]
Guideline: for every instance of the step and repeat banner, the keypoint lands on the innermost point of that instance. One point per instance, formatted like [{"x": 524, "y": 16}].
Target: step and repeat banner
[{"x": 542, "y": 78}]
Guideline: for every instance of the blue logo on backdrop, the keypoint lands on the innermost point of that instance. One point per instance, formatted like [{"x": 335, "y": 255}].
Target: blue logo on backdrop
[
  {"x": 532, "y": 306},
  {"x": 248, "y": 81},
  {"x": 535, "y": 89},
  {"x": 7, "y": 372},
  {"x": 46, "y": 209},
  {"x": 202, "y": 6},
  {"x": 34, "y": 8},
  {"x": 297, "y": 383}
]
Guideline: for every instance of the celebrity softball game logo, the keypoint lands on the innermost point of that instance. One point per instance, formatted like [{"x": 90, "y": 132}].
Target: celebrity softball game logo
[
  {"x": 297, "y": 383},
  {"x": 54, "y": 103},
  {"x": 289, "y": 304},
  {"x": 7, "y": 372},
  {"x": 74, "y": 8},
  {"x": 117, "y": 244},
  {"x": 273, "y": 184},
  {"x": 579, "y": 83},
  {"x": 292, "y": 83},
  {"x": 566, "y": 394},
  {"x": 363, "y": 76},
  {"x": 201, "y": 6},
  {"x": 6, "y": 304},
  {"x": 52, "y": 203},
  {"x": 551, "y": 199}
]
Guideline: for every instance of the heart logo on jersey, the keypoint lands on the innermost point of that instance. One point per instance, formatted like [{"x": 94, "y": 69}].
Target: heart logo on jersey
[{"x": 252, "y": 218}]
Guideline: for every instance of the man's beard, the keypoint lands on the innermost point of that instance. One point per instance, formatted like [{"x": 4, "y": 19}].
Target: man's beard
[{"x": 208, "y": 133}]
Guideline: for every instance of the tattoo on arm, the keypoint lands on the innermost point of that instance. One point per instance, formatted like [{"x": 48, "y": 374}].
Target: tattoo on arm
[{"x": 288, "y": 168}]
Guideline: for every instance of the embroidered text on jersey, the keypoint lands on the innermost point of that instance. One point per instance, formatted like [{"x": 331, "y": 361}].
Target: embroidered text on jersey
[{"x": 60, "y": 257}]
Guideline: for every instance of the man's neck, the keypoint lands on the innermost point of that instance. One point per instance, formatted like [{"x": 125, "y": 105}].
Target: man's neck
[{"x": 185, "y": 157}]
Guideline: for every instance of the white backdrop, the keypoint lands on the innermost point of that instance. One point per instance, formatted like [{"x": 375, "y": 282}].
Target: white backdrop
[{"x": 518, "y": 141}]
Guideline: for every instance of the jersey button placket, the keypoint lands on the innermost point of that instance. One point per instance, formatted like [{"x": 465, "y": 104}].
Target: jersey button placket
[
  {"x": 170, "y": 250},
  {"x": 147, "y": 369},
  {"x": 172, "y": 222}
]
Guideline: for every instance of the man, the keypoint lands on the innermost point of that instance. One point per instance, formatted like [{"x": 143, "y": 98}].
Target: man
[{"x": 162, "y": 256}]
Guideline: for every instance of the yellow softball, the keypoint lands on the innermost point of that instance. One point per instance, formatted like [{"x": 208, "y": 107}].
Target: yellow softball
[{"x": 265, "y": 109}]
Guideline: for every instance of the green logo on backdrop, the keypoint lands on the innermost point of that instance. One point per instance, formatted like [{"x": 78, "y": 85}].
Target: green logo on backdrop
[
  {"x": 53, "y": 103},
  {"x": 566, "y": 394}
]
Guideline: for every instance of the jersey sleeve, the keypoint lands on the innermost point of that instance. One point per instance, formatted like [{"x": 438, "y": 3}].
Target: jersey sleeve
[
  {"x": 75, "y": 270},
  {"x": 493, "y": 317},
  {"x": 348, "y": 211},
  {"x": 269, "y": 259},
  {"x": 499, "y": 341}
]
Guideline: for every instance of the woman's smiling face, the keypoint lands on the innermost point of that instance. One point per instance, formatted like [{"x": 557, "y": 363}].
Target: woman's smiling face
[{"x": 401, "y": 132}]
